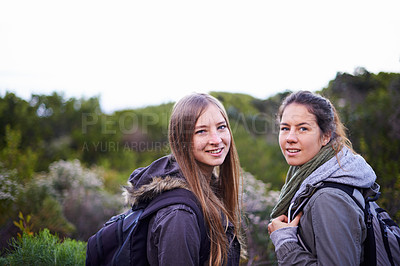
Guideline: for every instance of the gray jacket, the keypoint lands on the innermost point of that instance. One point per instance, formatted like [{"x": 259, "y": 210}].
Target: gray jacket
[{"x": 332, "y": 228}]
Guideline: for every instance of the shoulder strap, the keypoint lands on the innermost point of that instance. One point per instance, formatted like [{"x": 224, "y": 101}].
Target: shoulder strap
[
  {"x": 369, "y": 244},
  {"x": 170, "y": 197},
  {"x": 175, "y": 196},
  {"x": 355, "y": 194},
  {"x": 125, "y": 230},
  {"x": 350, "y": 190}
]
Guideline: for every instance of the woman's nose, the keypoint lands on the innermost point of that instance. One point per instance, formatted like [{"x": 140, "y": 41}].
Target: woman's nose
[
  {"x": 291, "y": 137},
  {"x": 215, "y": 138}
]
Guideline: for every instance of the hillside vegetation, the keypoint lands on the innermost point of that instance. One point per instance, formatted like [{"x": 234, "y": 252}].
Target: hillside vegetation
[{"x": 63, "y": 161}]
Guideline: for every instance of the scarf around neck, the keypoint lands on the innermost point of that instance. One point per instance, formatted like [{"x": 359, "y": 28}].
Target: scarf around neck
[{"x": 296, "y": 176}]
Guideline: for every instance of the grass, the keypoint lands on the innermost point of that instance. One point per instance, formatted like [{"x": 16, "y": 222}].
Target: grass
[{"x": 44, "y": 249}]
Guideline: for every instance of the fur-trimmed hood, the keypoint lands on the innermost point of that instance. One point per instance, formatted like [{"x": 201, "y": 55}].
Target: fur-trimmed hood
[{"x": 146, "y": 183}]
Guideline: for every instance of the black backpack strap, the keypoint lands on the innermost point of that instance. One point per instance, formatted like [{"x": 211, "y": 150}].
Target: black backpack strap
[
  {"x": 99, "y": 245},
  {"x": 349, "y": 190},
  {"x": 384, "y": 230},
  {"x": 345, "y": 188},
  {"x": 125, "y": 232},
  {"x": 175, "y": 196},
  {"x": 369, "y": 243}
]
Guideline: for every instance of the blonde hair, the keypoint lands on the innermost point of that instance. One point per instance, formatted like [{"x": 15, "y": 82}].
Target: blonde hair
[{"x": 222, "y": 199}]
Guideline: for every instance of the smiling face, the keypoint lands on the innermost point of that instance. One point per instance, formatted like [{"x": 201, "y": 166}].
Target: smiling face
[
  {"x": 300, "y": 137},
  {"x": 211, "y": 139}
]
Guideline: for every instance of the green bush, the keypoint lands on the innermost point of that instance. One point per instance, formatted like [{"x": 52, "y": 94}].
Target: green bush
[
  {"x": 80, "y": 190},
  {"x": 45, "y": 249},
  {"x": 258, "y": 201},
  {"x": 37, "y": 200}
]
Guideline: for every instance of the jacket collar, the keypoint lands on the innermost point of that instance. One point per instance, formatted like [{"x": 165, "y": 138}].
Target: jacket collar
[{"x": 149, "y": 191}]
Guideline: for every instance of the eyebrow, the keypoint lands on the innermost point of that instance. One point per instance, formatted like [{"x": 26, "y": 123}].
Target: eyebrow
[
  {"x": 297, "y": 125},
  {"x": 203, "y": 126}
]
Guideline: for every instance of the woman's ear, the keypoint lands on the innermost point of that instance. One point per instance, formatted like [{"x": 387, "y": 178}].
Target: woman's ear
[{"x": 326, "y": 138}]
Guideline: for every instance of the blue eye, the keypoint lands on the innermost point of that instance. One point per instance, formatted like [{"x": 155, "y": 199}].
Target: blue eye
[
  {"x": 284, "y": 128},
  {"x": 222, "y": 127},
  {"x": 200, "y": 131}
]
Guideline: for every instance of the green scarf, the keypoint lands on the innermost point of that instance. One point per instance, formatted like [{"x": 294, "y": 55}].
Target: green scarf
[{"x": 296, "y": 175}]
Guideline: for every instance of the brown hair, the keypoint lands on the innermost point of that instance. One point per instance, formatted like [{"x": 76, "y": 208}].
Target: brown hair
[
  {"x": 327, "y": 117},
  {"x": 222, "y": 199}
]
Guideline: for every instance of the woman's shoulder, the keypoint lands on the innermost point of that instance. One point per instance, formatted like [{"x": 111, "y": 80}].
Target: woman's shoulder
[
  {"x": 176, "y": 212},
  {"x": 333, "y": 200}
]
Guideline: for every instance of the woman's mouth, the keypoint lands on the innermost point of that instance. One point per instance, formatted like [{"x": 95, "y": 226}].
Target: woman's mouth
[
  {"x": 216, "y": 151},
  {"x": 292, "y": 151}
]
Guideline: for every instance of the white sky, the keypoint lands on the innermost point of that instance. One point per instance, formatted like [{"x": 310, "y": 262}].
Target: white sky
[{"x": 135, "y": 53}]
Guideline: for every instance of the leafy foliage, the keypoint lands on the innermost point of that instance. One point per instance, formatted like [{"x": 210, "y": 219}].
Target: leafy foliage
[
  {"x": 12, "y": 156},
  {"x": 36, "y": 199},
  {"x": 83, "y": 200},
  {"x": 24, "y": 224},
  {"x": 369, "y": 107},
  {"x": 63, "y": 161},
  {"x": 258, "y": 202},
  {"x": 45, "y": 249},
  {"x": 8, "y": 191}
]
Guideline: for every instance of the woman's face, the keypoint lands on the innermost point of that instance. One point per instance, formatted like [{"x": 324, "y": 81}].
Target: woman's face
[
  {"x": 300, "y": 137},
  {"x": 211, "y": 139}
]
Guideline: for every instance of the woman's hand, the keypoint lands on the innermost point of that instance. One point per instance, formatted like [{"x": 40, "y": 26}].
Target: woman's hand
[{"x": 282, "y": 221}]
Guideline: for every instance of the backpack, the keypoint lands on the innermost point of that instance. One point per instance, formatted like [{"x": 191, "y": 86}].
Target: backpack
[
  {"x": 123, "y": 239},
  {"x": 382, "y": 245}
]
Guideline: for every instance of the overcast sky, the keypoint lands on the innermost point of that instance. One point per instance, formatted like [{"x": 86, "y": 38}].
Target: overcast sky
[{"x": 136, "y": 53}]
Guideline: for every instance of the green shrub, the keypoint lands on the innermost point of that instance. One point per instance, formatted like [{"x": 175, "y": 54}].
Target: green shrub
[
  {"x": 80, "y": 191},
  {"x": 37, "y": 200},
  {"x": 258, "y": 201},
  {"x": 9, "y": 189},
  {"x": 45, "y": 249}
]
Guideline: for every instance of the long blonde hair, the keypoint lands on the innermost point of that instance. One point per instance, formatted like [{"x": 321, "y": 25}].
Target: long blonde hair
[{"x": 222, "y": 200}]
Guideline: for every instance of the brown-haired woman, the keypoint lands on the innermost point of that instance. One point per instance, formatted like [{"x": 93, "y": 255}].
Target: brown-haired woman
[
  {"x": 331, "y": 229},
  {"x": 204, "y": 160}
]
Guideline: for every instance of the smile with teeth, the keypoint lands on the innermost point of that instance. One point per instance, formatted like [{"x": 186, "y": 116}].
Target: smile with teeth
[
  {"x": 292, "y": 150},
  {"x": 215, "y": 151}
]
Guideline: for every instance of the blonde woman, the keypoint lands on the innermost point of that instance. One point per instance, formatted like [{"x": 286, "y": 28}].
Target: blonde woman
[{"x": 205, "y": 162}]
